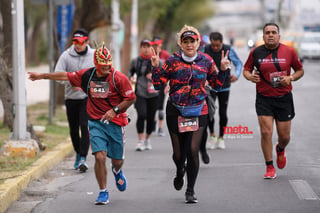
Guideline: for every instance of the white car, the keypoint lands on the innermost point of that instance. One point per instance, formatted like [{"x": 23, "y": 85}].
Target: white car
[{"x": 309, "y": 47}]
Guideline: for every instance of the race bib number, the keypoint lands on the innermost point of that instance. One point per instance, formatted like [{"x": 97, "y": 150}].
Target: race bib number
[
  {"x": 275, "y": 78},
  {"x": 188, "y": 124},
  {"x": 99, "y": 89}
]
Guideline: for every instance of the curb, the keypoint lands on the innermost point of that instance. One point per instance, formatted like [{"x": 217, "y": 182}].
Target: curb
[{"x": 10, "y": 190}]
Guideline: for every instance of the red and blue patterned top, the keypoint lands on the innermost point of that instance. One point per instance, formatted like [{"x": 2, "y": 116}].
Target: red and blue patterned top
[{"x": 187, "y": 79}]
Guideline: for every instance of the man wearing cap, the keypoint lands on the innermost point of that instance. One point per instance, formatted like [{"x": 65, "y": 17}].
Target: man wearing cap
[
  {"x": 109, "y": 96},
  {"x": 78, "y": 56},
  {"x": 147, "y": 97}
]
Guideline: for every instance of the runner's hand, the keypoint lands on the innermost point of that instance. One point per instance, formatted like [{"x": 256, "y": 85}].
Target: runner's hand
[
  {"x": 155, "y": 59},
  {"x": 285, "y": 80},
  {"x": 33, "y": 76},
  {"x": 108, "y": 116},
  {"x": 225, "y": 63}
]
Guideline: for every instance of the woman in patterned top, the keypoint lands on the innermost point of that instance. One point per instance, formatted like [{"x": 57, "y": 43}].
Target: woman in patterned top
[{"x": 187, "y": 71}]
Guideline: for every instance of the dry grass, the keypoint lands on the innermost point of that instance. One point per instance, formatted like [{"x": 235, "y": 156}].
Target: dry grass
[{"x": 57, "y": 132}]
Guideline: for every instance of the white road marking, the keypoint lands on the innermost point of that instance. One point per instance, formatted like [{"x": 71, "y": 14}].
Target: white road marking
[{"x": 303, "y": 190}]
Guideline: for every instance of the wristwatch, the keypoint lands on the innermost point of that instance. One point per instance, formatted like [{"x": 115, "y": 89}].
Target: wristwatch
[{"x": 116, "y": 109}]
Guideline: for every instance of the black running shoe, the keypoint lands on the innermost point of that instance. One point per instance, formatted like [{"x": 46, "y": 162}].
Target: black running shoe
[
  {"x": 190, "y": 198},
  {"x": 205, "y": 157},
  {"x": 178, "y": 180}
]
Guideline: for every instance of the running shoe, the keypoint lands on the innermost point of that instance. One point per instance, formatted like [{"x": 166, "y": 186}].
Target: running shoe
[
  {"x": 205, "y": 157},
  {"x": 147, "y": 144},
  {"x": 76, "y": 162},
  {"x": 281, "y": 159},
  {"x": 103, "y": 198},
  {"x": 271, "y": 173},
  {"x": 140, "y": 146},
  {"x": 221, "y": 144},
  {"x": 190, "y": 198},
  {"x": 83, "y": 166},
  {"x": 121, "y": 180},
  {"x": 212, "y": 143},
  {"x": 178, "y": 180},
  {"x": 161, "y": 133}
]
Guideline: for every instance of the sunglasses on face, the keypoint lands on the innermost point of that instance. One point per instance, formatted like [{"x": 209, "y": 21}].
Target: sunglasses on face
[{"x": 78, "y": 42}]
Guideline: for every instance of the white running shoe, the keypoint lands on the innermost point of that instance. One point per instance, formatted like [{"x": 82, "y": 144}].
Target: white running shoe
[
  {"x": 140, "y": 146},
  {"x": 147, "y": 144},
  {"x": 212, "y": 143},
  {"x": 221, "y": 144}
]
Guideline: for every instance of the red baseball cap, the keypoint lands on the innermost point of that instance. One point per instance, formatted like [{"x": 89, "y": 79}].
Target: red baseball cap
[
  {"x": 189, "y": 34},
  {"x": 80, "y": 35}
]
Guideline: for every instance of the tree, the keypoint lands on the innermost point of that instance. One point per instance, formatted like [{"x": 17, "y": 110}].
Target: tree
[
  {"x": 88, "y": 15},
  {"x": 36, "y": 37},
  {"x": 6, "y": 87},
  {"x": 166, "y": 17}
]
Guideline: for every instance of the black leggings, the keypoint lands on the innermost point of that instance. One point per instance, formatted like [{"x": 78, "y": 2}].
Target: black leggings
[
  {"x": 185, "y": 146},
  {"x": 223, "y": 99},
  {"x": 146, "y": 110},
  {"x": 78, "y": 118}
]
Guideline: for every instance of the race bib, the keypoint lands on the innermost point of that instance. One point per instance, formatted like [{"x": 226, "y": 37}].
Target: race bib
[
  {"x": 275, "y": 78},
  {"x": 188, "y": 124},
  {"x": 99, "y": 89}
]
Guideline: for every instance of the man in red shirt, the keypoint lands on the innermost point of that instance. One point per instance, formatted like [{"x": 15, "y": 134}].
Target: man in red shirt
[
  {"x": 109, "y": 95},
  {"x": 269, "y": 67}
]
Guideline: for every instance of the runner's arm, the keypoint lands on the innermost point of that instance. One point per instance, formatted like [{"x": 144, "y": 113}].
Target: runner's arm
[{"x": 61, "y": 76}]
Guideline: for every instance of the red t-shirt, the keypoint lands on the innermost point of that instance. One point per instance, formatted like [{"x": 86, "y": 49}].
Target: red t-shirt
[
  {"x": 267, "y": 61},
  {"x": 101, "y": 88}
]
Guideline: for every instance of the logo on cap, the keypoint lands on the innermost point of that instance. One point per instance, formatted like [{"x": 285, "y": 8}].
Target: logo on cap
[{"x": 190, "y": 34}]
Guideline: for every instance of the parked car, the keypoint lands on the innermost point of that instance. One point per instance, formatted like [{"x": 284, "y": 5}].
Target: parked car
[{"x": 309, "y": 46}]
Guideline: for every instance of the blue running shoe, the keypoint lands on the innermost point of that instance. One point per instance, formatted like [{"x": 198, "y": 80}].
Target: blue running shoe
[
  {"x": 121, "y": 181},
  {"x": 76, "y": 162},
  {"x": 103, "y": 198},
  {"x": 83, "y": 166}
]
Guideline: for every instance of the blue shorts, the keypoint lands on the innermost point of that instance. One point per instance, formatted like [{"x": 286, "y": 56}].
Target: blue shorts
[{"x": 107, "y": 137}]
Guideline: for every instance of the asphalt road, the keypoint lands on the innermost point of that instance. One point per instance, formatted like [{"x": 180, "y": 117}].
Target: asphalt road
[{"x": 232, "y": 182}]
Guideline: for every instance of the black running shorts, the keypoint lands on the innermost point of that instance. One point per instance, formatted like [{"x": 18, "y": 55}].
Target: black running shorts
[{"x": 281, "y": 108}]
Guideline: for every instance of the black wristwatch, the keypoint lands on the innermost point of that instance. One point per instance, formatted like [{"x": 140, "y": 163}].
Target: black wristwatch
[{"x": 116, "y": 110}]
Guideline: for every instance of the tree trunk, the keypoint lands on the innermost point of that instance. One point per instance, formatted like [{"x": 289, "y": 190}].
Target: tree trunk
[
  {"x": 32, "y": 45},
  {"x": 6, "y": 94},
  {"x": 5, "y": 10},
  {"x": 6, "y": 87},
  {"x": 126, "y": 47},
  {"x": 88, "y": 15}
]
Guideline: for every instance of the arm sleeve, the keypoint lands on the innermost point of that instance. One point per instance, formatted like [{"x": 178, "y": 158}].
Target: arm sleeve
[
  {"x": 236, "y": 61},
  {"x": 132, "y": 69},
  {"x": 160, "y": 75}
]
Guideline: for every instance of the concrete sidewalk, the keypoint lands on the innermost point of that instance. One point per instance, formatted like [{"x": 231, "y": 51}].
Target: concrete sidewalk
[{"x": 11, "y": 188}]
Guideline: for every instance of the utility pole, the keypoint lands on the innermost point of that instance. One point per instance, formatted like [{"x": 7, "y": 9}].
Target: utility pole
[
  {"x": 20, "y": 143},
  {"x": 117, "y": 25},
  {"x": 18, "y": 62},
  {"x": 50, "y": 59},
  {"x": 134, "y": 29}
]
